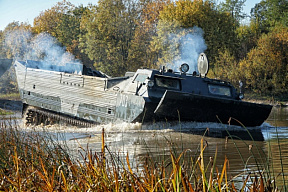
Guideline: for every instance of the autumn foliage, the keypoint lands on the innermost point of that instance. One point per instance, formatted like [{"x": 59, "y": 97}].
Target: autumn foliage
[
  {"x": 266, "y": 67},
  {"x": 123, "y": 35}
]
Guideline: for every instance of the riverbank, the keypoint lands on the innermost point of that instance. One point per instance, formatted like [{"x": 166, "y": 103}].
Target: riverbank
[{"x": 264, "y": 99}]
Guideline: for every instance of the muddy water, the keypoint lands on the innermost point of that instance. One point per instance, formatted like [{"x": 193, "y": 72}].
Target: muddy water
[{"x": 158, "y": 140}]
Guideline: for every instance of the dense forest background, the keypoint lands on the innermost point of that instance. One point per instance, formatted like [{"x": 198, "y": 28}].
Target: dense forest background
[{"x": 116, "y": 36}]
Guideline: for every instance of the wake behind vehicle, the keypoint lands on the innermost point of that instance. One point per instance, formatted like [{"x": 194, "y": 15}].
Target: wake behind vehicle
[{"x": 76, "y": 94}]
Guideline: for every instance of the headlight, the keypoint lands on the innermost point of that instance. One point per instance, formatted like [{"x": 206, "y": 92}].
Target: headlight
[
  {"x": 150, "y": 84},
  {"x": 241, "y": 96},
  {"x": 184, "y": 68}
]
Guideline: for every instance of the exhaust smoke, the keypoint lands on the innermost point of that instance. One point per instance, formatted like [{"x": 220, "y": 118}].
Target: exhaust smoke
[
  {"x": 42, "y": 48},
  {"x": 186, "y": 46}
]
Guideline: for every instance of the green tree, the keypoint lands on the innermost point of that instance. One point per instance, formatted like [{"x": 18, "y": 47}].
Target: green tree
[
  {"x": 258, "y": 15},
  {"x": 110, "y": 28},
  {"x": 227, "y": 68},
  {"x": 235, "y": 8},
  {"x": 62, "y": 21},
  {"x": 14, "y": 42},
  {"x": 8, "y": 83},
  {"x": 247, "y": 36},
  {"x": 270, "y": 13},
  {"x": 141, "y": 51},
  {"x": 218, "y": 27}
]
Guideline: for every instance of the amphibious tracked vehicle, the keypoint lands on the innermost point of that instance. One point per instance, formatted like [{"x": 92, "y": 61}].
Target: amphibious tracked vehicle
[{"x": 77, "y": 94}]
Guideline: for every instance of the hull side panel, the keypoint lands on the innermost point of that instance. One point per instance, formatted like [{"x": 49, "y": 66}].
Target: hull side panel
[
  {"x": 74, "y": 95},
  {"x": 191, "y": 107}
]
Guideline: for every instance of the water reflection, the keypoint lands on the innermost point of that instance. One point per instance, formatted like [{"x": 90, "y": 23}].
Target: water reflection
[
  {"x": 276, "y": 143},
  {"x": 278, "y": 117}
]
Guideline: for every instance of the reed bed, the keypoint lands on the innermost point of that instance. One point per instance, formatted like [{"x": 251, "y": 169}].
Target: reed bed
[
  {"x": 11, "y": 96},
  {"x": 36, "y": 162},
  {"x": 5, "y": 112}
]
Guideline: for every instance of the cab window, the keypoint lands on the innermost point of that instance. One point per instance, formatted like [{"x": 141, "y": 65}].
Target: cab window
[
  {"x": 219, "y": 90},
  {"x": 169, "y": 83},
  {"x": 141, "y": 77}
]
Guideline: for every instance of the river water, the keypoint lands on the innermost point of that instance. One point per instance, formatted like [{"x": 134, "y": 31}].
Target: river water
[{"x": 264, "y": 149}]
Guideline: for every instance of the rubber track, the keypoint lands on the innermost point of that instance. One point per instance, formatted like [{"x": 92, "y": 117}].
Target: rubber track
[{"x": 37, "y": 116}]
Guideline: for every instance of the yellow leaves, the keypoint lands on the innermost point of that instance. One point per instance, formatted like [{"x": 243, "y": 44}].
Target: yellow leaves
[
  {"x": 188, "y": 13},
  {"x": 266, "y": 65}
]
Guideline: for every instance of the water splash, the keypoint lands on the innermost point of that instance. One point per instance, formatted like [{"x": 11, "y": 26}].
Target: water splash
[{"x": 138, "y": 127}]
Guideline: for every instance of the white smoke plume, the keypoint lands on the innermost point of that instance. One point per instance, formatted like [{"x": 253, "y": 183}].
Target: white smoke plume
[
  {"x": 17, "y": 41},
  {"x": 186, "y": 45},
  {"x": 42, "y": 47}
]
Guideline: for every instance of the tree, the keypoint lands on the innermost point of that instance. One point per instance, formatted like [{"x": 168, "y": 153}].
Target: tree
[
  {"x": 259, "y": 15},
  {"x": 14, "y": 42},
  {"x": 227, "y": 68},
  {"x": 218, "y": 27},
  {"x": 277, "y": 12},
  {"x": 16, "y": 37},
  {"x": 266, "y": 66},
  {"x": 8, "y": 83},
  {"x": 110, "y": 28},
  {"x": 2, "y": 50},
  {"x": 62, "y": 21},
  {"x": 270, "y": 13},
  {"x": 247, "y": 36},
  {"x": 49, "y": 20},
  {"x": 235, "y": 8},
  {"x": 141, "y": 51}
]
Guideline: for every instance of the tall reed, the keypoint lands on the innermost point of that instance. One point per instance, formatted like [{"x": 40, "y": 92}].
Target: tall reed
[
  {"x": 34, "y": 162},
  {"x": 264, "y": 162}
]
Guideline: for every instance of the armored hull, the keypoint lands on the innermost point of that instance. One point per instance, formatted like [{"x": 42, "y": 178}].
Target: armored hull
[{"x": 143, "y": 96}]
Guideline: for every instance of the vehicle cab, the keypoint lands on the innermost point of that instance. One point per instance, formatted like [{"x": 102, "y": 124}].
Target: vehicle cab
[{"x": 153, "y": 83}]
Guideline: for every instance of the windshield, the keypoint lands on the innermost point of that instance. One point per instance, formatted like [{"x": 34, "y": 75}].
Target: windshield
[
  {"x": 169, "y": 83},
  {"x": 141, "y": 77},
  {"x": 219, "y": 90}
]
